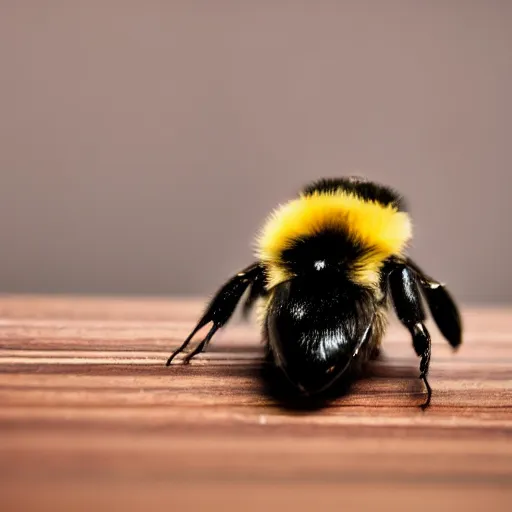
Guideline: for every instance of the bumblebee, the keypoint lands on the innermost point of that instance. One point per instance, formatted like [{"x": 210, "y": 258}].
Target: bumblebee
[{"x": 330, "y": 263}]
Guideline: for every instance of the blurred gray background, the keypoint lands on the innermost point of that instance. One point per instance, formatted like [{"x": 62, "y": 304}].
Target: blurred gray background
[{"x": 143, "y": 143}]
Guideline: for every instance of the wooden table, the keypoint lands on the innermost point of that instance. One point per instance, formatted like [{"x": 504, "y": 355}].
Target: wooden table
[{"x": 91, "y": 418}]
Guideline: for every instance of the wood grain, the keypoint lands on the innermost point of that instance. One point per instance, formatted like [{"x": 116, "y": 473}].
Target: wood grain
[{"x": 90, "y": 418}]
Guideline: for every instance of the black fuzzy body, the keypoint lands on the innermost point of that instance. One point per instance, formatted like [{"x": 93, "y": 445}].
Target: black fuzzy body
[
  {"x": 321, "y": 326},
  {"x": 321, "y": 321},
  {"x": 360, "y": 187}
]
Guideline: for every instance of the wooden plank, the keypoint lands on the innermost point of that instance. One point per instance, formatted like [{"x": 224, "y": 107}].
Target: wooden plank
[{"x": 91, "y": 418}]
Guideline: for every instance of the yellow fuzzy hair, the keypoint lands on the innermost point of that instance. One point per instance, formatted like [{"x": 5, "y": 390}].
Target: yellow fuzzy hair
[{"x": 383, "y": 230}]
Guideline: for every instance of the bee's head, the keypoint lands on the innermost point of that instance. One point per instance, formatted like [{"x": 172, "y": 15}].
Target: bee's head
[{"x": 315, "y": 330}]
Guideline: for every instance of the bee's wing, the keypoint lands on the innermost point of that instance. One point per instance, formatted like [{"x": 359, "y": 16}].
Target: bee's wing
[
  {"x": 442, "y": 306},
  {"x": 365, "y": 336}
]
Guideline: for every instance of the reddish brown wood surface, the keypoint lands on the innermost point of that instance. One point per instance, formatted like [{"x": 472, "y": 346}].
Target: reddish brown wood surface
[{"x": 90, "y": 418}]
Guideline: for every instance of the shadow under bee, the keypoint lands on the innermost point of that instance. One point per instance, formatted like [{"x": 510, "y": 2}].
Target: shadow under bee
[{"x": 402, "y": 379}]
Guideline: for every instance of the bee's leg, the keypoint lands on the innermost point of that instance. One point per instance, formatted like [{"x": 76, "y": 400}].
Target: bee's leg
[
  {"x": 442, "y": 306},
  {"x": 220, "y": 309},
  {"x": 256, "y": 291},
  {"x": 409, "y": 309}
]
